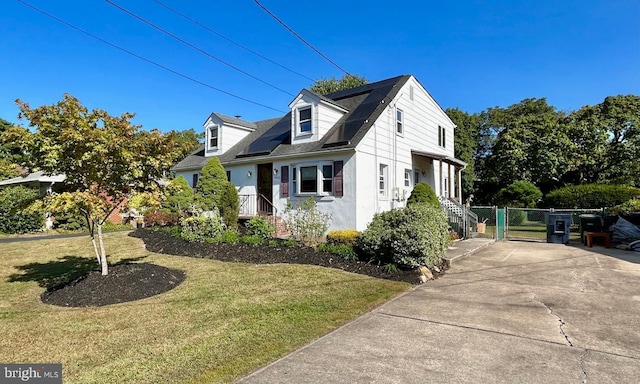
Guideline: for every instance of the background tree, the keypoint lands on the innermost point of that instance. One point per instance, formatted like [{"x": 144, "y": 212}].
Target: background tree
[
  {"x": 466, "y": 139},
  {"x": 187, "y": 141},
  {"x": 105, "y": 158},
  {"x": 10, "y": 154},
  {"x": 329, "y": 85},
  {"x": 519, "y": 194}
]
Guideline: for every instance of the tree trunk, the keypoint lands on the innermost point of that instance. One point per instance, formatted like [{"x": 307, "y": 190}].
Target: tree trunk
[
  {"x": 103, "y": 253},
  {"x": 92, "y": 235}
]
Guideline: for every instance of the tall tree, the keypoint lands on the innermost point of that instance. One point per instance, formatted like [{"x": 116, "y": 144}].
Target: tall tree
[
  {"x": 10, "y": 154},
  {"x": 329, "y": 85},
  {"x": 104, "y": 158},
  {"x": 466, "y": 138}
]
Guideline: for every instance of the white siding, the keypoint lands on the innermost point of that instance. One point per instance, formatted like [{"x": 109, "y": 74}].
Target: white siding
[{"x": 228, "y": 136}]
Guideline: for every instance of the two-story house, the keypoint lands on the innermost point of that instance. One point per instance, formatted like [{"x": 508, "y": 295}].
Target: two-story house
[{"x": 356, "y": 152}]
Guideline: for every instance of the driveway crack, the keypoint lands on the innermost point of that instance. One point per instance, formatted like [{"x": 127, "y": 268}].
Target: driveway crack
[
  {"x": 551, "y": 312},
  {"x": 582, "y": 366}
]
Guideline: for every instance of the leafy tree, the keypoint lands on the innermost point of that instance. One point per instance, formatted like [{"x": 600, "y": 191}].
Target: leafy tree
[
  {"x": 10, "y": 154},
  {"x": 105, "y": 158},
  {"x": 329, "y": 85},
  {"x": 530, "y": 144},
  {"x": 466, "y": 137},
  {"x": 606, "y": 142},
  {"x": 211, "y": 184},
  {"x": 178, "y": 196},
  {"x": 590, "y": 196},
  {"x": 423, "y": 193},
  {"x": 187, "y": 142},
  {"x": 520, "y": 194},
  {"x": 15, "y": 215}
]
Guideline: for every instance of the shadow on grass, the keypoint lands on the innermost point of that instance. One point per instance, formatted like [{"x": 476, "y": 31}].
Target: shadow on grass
[{"x": 55, "y": 273}]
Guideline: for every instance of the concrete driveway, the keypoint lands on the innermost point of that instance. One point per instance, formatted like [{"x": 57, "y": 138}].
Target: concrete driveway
[{"x": 515, "y": 312}]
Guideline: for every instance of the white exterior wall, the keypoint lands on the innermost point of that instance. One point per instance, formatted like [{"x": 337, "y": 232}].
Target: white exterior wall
[{"x": 382, "y": 145}]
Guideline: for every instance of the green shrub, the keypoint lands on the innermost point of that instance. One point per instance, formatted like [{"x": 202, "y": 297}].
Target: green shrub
[
  {"x": 290, "y": 243},
  {"x": 229, "y": 236},
  {"x": 590, "y": 196},
  {"x": 211, "y": 185},
  {"x": 111, "y": 226},
  {"x": 201, "y": 228},
  {"x": 413, "y": 236},
  {"x": 626, "y": 208},
  {"x": 307, "y": 223},
  {"x": 516, "y": 217},
  {"x": 520, "y": 194},
  {"x": 344, "y": 250},
  {"x": 15, "y": 215},
  {"x": 179, "y": 197},
  {"x": 343, "y": 236},
  {"x": 161, "y": 219},
  {"x": 252, "y": 240},
  {"x": 423, "y": 193},
  {"x": 229, "y": 205},
  {"x": 259, "y": 226}
]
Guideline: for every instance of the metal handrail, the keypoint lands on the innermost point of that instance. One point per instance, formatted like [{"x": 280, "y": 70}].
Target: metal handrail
[{"x": 274, "y": 208}]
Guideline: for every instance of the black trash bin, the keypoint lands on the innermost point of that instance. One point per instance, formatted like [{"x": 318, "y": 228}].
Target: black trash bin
[
  {"x": 558, "y": 227},
  {"x": 589, "y": 223}
]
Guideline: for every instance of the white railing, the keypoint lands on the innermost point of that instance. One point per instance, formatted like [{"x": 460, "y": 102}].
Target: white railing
[
  {"x": 461, "y": 219},
  {"x": 248, "y": 205}
]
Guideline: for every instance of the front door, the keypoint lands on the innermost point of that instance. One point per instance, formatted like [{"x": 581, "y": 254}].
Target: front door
[{"x": 265, "y": 189}]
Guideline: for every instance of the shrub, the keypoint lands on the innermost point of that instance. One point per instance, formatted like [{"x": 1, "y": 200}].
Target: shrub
[
  {"x": 179, "y": 196},
  {"x": 259, "y": 226},
  {"x": 590, "y": 196},
  {"x": 521, "y": 194},
  {"x": 70, "y": 221},
  {"x": 229, "y": 205},
  {"x": 423, "y": 193},
  {"x": 344, "y": 236},
  {"x": 626, "y": 208},
  {"x": 144, "y": 202},
  {"x": 344, "y": 250},
  {"x": 161, "y": 219},
  {"x": 252, "y": 240},
  {"x": 15, "y": 215},
  {"x": 111, "y": 226},
  {"x": 201, "y": 228},
  {"x": 307, "y": 223},
  {"x": 230, "y": 236},
  {"x": 211, "y": 184},
  {"x": 516, "y": 217},
  {"x": 413, "y": 236}
]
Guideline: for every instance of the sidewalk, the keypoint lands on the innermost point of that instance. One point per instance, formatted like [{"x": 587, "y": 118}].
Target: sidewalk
[{"x": 464, "y": 248}]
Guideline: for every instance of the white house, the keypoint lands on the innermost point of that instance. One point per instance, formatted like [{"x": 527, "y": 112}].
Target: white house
[{"x": 356, "y": 152}]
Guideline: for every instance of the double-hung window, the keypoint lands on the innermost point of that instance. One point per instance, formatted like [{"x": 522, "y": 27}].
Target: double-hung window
[
  {"x": 399, "y": 121},
  {"x": 314, "y": 178},
  {"x": 407, "y": 178},
  {"x": 382, "y": 184},
  {"x": 309, "y": 179},
  {"x": 442, "y": 137},
  {"x": 213, "y": 137},
  {"x": 304, "y": 120}
]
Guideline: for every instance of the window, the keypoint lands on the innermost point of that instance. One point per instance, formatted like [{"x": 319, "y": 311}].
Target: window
[
  {"x": 382, "y": 186},
  {"x": 327, "y": 178},
  {"x": 399, "y": 121},
  {"x": 308, "y": 179},
  {"x": 442, "y": 137},
  {"x": 194, "y": 180},
  {"x": 416, "y": 176},
  {"x": 407, "y": 178},
  {"x": 229, "y": 176},
  {"x": 323, "y": 178},
  {"x": 304, "y": 120},
  {"x": 213, "y": 137}
]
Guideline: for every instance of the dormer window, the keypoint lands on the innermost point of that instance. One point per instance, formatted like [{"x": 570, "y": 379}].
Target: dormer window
[
  {"x": 304, "y": 120},
  {"x": 213, "y": 137}
]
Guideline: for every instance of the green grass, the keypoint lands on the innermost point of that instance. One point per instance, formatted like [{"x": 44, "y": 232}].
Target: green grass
[{"x": 223, "y": 322}]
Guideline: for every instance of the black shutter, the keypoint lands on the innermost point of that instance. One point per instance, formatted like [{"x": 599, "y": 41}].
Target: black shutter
[
  {"x": 284, "y": 181},
  {"x": 338, "y": 189}
]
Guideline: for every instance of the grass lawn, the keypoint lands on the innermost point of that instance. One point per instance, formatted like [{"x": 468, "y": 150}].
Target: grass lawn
[
  {"x": 529, "y": 230},
  {"x": 223, "y": 322}
]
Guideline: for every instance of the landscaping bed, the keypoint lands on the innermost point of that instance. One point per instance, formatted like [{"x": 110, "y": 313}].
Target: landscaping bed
[{"x": 162, "y": 242}]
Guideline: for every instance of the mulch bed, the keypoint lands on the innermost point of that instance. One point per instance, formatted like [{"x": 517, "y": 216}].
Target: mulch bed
[
  {"x": 162, "y": 242},
  {"x": 124, "y": 283}
]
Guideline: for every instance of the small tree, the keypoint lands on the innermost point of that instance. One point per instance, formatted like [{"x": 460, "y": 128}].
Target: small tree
[
  {"x": 520, "y": 194},
  {"x": 104, "y": 158},
  {"x": 423, "y": 193},
  {"x": 178, "y": 196},
  {"x": 211, "y": 184},
  {"x": 306, "y": 222},
  {"x": 229, "y": 205}
]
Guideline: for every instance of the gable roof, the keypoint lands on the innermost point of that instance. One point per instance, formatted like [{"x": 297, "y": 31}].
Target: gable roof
[
  {"x": 272, "y": 138},
  {"x": 38, "y": 177},
  {"x": 232, "y": 120}
]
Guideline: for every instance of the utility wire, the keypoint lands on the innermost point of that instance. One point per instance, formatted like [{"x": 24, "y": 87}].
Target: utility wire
[
  {"x": 300, "y": 37},
  {"x": 230, "y": 40},
  {"x": 195, "y": 47},
  {"x": 147, "y": 60}
]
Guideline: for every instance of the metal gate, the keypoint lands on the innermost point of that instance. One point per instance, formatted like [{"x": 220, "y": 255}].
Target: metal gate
[{"x": 530, "y": 223}]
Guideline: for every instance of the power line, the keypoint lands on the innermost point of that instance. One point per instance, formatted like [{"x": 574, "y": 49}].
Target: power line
[
  {"x": 147, "y": 60},
  {"x": 196, "y": 48},
  {"x": 230, "y": 40},
  {"x": 300, "y": 37}
]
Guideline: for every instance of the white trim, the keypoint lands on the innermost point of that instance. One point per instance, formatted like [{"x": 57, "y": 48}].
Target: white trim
[{"x": 296, "y": 178}]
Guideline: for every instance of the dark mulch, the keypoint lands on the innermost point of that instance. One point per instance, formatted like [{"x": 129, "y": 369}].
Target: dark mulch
[
  {"x": 162, "y": 242},
  {"x": 124, "y": 283}
]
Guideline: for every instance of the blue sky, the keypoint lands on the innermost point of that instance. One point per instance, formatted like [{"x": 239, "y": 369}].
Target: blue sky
[{"x": 468, "y": 54}]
